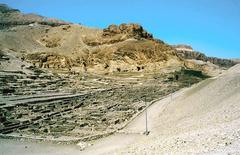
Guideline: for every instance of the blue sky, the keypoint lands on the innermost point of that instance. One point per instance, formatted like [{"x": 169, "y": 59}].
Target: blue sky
[{"x": 209, "y": 26}]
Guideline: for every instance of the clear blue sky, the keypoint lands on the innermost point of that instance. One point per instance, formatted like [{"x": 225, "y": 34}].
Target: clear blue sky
[{"x": 209, "y": 26}]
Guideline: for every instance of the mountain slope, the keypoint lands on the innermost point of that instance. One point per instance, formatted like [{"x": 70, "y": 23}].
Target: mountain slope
[
  {"x": 56, "y": 44},
  {"x": 187, "y": 52}
]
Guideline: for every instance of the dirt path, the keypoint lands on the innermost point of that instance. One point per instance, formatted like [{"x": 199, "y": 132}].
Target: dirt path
[
  {"x": 133, "y": 132},
  {"x": 202, "y": 120}
]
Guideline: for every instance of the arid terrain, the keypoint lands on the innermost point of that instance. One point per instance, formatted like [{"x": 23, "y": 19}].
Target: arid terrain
[
  {"x": 178, "y": 124},
  {"x": 63, "y": 84}
]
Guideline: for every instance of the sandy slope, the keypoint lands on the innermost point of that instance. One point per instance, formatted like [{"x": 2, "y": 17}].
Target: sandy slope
[{"x": 204, "y": 119}]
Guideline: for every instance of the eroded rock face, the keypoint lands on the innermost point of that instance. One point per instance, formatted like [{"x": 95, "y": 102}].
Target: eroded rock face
[
  {"x": 182, "y": 47},
  {"x": 132, "y": 30},
  {"x": 51, "y": 42},
  {"x": 115, "y": 34},
  {"x": 49, "y": 60},
  {"x": 187, "y": 52}
]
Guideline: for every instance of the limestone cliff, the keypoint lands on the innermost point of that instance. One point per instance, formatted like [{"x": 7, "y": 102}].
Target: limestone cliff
[{"x": 187, "y": 52}]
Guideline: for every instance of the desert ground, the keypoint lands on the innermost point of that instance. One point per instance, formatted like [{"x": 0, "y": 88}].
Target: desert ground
[{"x": 203, "y": 119}]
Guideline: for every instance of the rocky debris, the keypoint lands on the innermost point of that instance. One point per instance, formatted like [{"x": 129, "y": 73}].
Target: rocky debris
[
  {"x": 51, "y": 42},
  {"x": 213, "y": 141},
  {"x": 187, "y": 52},
  {"x": 132, "y": 56},
  {"x": 33, "y": 109},
  {"x": 206, "y": 67},
  {"x": 14, "y": 84},
  {"x": 116, "y": 34},
  {"x": 49, "y": 60},
  {"x": 131, "y": 30}
]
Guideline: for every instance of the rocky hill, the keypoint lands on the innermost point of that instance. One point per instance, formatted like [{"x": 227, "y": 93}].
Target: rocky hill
[
  {"x": 75, "y": 48},
  {"x": 187, "y": 52},
  {"x": 58, "y": 45},
  {"x": 11, "y": 17}
]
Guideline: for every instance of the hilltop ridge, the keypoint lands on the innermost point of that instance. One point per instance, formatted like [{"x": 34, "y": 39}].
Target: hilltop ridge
[{"x": 55, "y": 44}]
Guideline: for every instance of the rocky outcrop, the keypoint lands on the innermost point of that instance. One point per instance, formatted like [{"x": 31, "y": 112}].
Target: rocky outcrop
[
  {"x": 115, "y": 34},
  {"x": 131, "y": 56},
  {"x": 131, "y": 30},
  {"x": 51, "y": 42},
  {"x": 221, "y": 62},
  {"x": 49, "y": 60},
  {"x": 182, "y": 47},
  {"x": 187, "y": 52}
]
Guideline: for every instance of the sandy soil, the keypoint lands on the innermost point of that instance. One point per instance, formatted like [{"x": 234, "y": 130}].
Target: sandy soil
[
  {"x": 203, "y": 119},
  {"x": 12, "y": 147}
]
